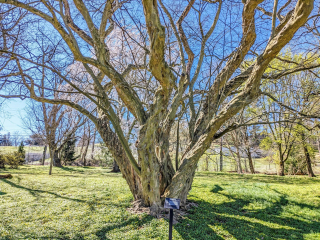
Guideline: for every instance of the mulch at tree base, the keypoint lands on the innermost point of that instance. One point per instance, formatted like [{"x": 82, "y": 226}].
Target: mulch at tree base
[{"x": 139, "y": 208}]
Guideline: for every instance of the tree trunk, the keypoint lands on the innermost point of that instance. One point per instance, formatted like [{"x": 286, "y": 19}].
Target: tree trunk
[
  {"x": 82, "y": 144},
  {"x": 51, "y": 162},
  {"x": 207, "y": 164},
  {"x": 221, "y": 156},
  {"x": 177, "y": 148},
  {"x": 150, "y": 168},
  {"x": 239, "y": 168},
  {"x": 319, "y": 145},
  {"x": 308, "y": 161},
  {"x": 251, "y": 162},
  {"x": 56, "y": 159},
  {"x": 217, "y": 165},
  {"x": 94, "y": 141},
  {"x": 245, "y": 165},
  {"x": 44, "y": 155},
  {"x": 281, "y": 168},
  {"x": 115, "y": 167},
  {"x": 84, "y": 155},
  {"x": 282, "y": 160}
]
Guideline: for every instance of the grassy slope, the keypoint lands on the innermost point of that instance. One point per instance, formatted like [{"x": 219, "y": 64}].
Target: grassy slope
[
  {"x": 261, "y": 165},
  {"x": 90, "y": 203},
  {"x": 30, "y": 149}
]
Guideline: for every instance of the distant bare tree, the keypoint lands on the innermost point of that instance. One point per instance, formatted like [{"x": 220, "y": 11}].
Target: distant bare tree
[{"x": 55, "y": 124}]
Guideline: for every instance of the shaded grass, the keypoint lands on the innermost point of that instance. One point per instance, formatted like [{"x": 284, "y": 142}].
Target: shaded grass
[{"x": 90, "y": 203}]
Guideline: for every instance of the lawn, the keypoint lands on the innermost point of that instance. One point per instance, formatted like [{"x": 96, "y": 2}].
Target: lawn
[
  {"x": 28, "y": 149},
  {"x": 91, "y": 203},
  {"x": 261, "y": 165}
]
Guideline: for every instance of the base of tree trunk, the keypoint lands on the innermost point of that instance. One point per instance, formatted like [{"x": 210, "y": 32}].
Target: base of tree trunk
[
  {"x": 5, "y": 176},
  {"x": 56, "y": 159},
  {"x": 115, "y": 167},
  {"x": 281, "y": 169},
  {"x": 311, "y": 175},
  {"x": 308, "y": 161},
  {"x": 57, "y": 164},
  {"x": 250, "y": 162},
  {"x": 139, "y": 208}
]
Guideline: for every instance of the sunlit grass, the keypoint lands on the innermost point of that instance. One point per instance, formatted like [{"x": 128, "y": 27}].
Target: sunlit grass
[
  {"x": 91, "y": 203},
  {"x": 28, "y": 149},
  {"x": 261, "y": 165}
]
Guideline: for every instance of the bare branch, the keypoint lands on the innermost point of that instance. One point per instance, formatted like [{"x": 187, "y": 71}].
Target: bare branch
[
  {"x": 73, "y": 26},
  {"x": 289, "y": 108},
  {"x": 131, "y": 67}
]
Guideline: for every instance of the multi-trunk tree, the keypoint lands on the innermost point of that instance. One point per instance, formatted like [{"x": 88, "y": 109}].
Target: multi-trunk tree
[{"x": 190, "y": 61}]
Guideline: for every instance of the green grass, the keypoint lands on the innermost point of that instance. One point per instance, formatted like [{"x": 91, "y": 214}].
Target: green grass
[
  {"x": 91, "y": 203},
  {"x": 30, "y": 149},
  {"x": 261, "y": 165}
]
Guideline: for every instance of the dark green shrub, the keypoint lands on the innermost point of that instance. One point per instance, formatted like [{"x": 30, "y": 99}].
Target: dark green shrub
[
  {"x": 2, "y": 161},
  {"x": 12, "y": 159},
  {"x": 68, "y": 152}
]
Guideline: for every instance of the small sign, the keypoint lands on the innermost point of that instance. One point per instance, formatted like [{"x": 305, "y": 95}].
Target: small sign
[{"x": 172, "y": 203}]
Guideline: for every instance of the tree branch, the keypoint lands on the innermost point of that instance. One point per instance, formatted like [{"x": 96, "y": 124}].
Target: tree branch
[
  {"x": 157, "y": 64},
  {"x": 289, "y": 108}
]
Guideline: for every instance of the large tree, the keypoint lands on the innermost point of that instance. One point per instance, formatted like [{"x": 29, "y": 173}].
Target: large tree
[{"x": 190, "y": 61}]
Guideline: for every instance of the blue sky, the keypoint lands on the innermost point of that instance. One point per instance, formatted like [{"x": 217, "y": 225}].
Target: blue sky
[{"x": 10, "y": 119}]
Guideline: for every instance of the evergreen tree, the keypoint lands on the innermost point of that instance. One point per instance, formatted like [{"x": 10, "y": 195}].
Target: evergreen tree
[
  {"x": 68, "y": 151},
  {"x": 21, "y": 153}
]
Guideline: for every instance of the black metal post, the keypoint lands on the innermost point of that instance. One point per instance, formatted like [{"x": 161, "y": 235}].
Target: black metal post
[{"x": 170, "y": 224}]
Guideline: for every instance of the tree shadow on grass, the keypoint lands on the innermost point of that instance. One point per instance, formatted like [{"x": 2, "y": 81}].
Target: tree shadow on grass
[
  {"x": 36, "y": 193},
  {"x": 69, "y": 169},
  {"x": 216, "y": 188},
  {"x": 232, "y": 219},
  {"x": 101, "y": 233}
]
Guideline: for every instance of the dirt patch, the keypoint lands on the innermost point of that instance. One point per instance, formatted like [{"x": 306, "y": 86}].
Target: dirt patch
[{"x": 138, "y": 208}]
